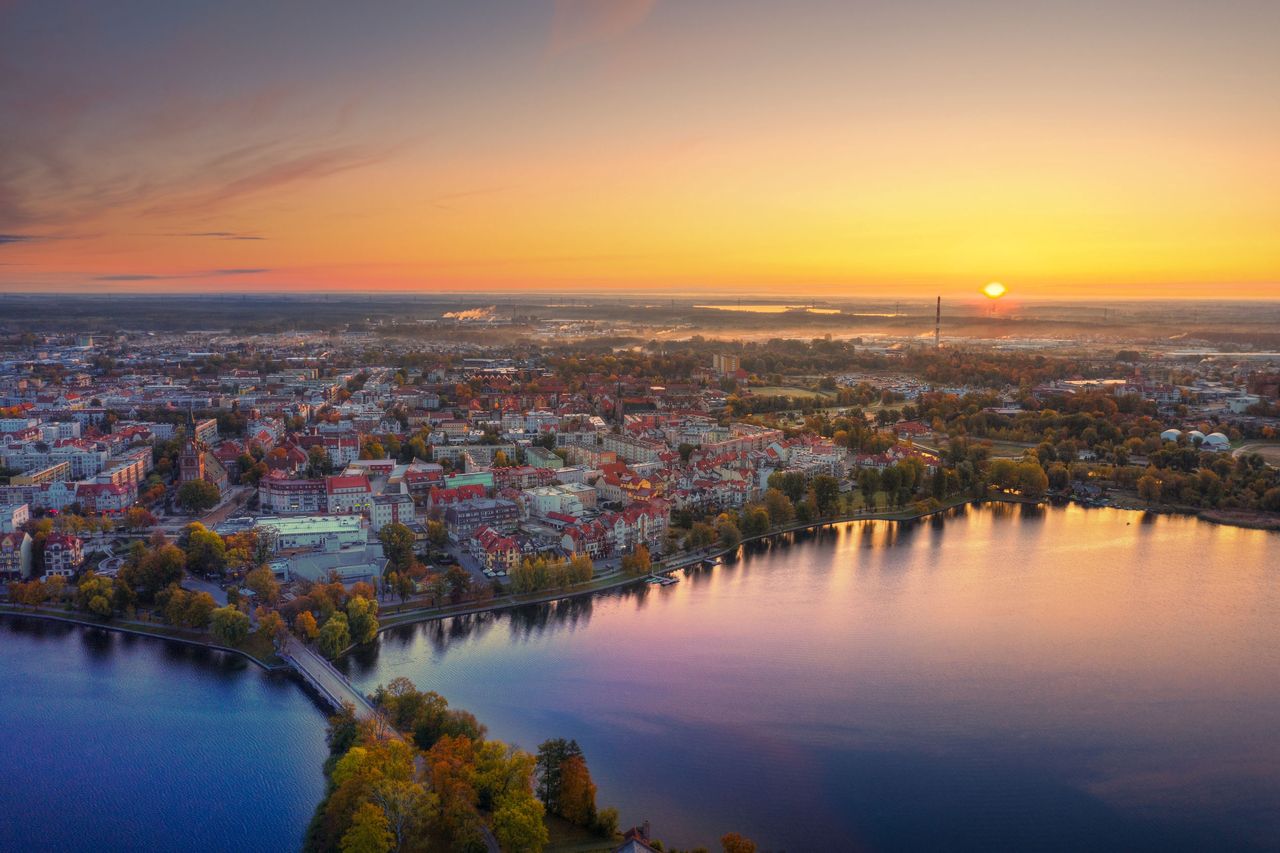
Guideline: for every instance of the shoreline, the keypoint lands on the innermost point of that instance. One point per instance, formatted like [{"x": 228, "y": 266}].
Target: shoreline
[
  {"x": 413, "y": 617},
  {"x": 46, "y": 616},
  {"x": 681, "y": 561}
]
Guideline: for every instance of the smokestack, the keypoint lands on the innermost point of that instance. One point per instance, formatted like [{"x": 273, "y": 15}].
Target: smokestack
[{"x": 937, "y": 325}]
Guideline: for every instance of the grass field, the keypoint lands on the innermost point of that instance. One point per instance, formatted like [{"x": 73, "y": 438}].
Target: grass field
[
  {"x": 1268, "y": 450},
  {"x": 787, "y": 391}
]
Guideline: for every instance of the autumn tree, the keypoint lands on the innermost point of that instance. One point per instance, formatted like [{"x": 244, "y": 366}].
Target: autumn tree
[
  {"x": 736, "y": 843},
  {"x": 306, "y": 627},
  {"x": 262, "y": 581}
]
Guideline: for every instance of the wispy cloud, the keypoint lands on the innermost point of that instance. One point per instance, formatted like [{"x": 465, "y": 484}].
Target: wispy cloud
[
  {"x": 16, "y": 238},
  {"x": 577, "y": 23},
  {"x": 272, "y": 173},
  {"x": 234, "y": 271},
  {"x": 219, "y": 235}
]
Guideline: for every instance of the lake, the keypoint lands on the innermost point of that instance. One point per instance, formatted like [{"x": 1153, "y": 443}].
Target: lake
[
  {"x": 117, "y": 742},
  {"x": 1010, "y": 677}
]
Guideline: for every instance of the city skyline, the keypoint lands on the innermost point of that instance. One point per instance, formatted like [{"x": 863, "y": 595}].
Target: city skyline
[{"x": 823, "y": 150}]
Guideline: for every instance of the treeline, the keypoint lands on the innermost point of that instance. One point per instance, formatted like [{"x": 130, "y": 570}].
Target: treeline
[
  {"x": 540, "y": 573},
  {"x": 424, "y": 776}
]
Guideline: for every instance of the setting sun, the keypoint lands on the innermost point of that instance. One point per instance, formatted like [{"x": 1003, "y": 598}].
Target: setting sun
[{"x": 995, "y": 290}]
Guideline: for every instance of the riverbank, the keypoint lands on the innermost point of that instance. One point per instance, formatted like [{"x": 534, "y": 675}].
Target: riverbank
[
  {"x": 398, "y": 618},
  {"x": 269, "y": 662}
]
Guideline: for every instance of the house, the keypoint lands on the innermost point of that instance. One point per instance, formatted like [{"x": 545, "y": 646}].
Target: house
[
  {"x": 15, "y": 555},
  {"x": 63, "y": 555},
  {"x": 499, "y": 552}
]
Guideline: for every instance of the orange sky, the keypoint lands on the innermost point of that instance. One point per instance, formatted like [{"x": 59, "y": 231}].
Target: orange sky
[{"x": 820, "y": 147}]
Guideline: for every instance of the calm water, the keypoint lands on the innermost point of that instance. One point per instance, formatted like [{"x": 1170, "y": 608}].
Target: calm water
[
  {"x": 1014, "y": 678},
  {"x": 126, "y": 743}
]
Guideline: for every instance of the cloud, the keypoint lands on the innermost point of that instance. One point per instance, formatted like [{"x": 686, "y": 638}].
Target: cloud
[
  {"x": 16, "y": 238},
  {"x": 234, "y": 271},
  {"x": 576, "y": 23},
  {"x": 219, "y": 235},
  {"x": 271, "y": 174}
]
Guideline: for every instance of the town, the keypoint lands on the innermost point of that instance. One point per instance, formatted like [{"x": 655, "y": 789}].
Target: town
[{"x": 318, "y": 482}]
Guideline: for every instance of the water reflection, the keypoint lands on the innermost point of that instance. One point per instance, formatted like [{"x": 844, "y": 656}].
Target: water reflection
[{"x": 1014, "y": 677}]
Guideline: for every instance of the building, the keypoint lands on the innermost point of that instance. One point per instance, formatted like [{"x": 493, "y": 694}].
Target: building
[
  {"x": 390, "y": 509},
  {"x": 63, "y": 555},
  {"x": 313, "y": 532},
  {"x": 726, "y": 365},
  {"x": 15, "y": 555},
  {"x": 278, "y": 493},
  {"x": 13, "y": 516},
  {"x": 348, "y": 493},
  {"x": 465, "y": 517}
]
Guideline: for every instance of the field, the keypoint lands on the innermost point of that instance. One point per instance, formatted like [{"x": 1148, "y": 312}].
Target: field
[
  {"x": 787, "y": 391},
  {"x": 1268, "y": 450}
]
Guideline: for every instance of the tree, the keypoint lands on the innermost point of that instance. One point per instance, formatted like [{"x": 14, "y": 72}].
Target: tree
[
  {"x": 263, "y": 584},
  {"x": 551, "y": 757},
  {"x": 305, "y": 626},
  {"x": 229, "y": 626},
  {"x": 271, "y": 625},
  {"x": 638, "y": 562},
  {"x": 138, "y": 518},
  {"x": 362, "y": 619},
  {"x": 700, "y": 536},
  {"x": 735, "y": 843},
  {"x": 519, "y": 826},
  {"x": 335, "y": 635},
  {"x": 1149, "y": 488},
  {"x": 196, "y": 496},
  {"x": 156, "y": 569},
  {"x": 397, "y": 544},
  {"x": 369, "y": 832},
  {"x": 205, "y": 550},
  {"x": 437, "y": 533},
  {"x": 826, "y": 491},
  {"x": 728, "y": 532},
  {"x": 577, "y": 802},
  {"x": 779, "y": 507}
]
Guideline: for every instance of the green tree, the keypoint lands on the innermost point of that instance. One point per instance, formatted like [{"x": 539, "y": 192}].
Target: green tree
[
  {"x": 206, "y": 551},
  {"x": 779, "y": 507},
  {"x": 728, "y": 531},
  {"x": 397, "y": 544},
  {"x": 518, "y": 824},
  {"x": 229, "y": 626},
  {"x": 369, "y": 832},
  {"x": 196, "y": 496},
  {"x": 362, "y": 619},
  {"x": 335, "y": 635}
]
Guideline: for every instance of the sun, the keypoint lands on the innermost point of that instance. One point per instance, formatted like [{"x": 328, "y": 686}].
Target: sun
[{"x": 995, "y": 290}]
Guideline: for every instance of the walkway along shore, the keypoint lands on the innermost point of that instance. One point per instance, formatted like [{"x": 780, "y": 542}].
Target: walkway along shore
[
  {"x": 137, "y": 629},
  {"x": 397, "y": 619}
]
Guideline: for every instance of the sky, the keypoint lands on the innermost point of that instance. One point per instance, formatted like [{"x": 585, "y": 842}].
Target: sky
[{"x": 829, "y": 148}]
